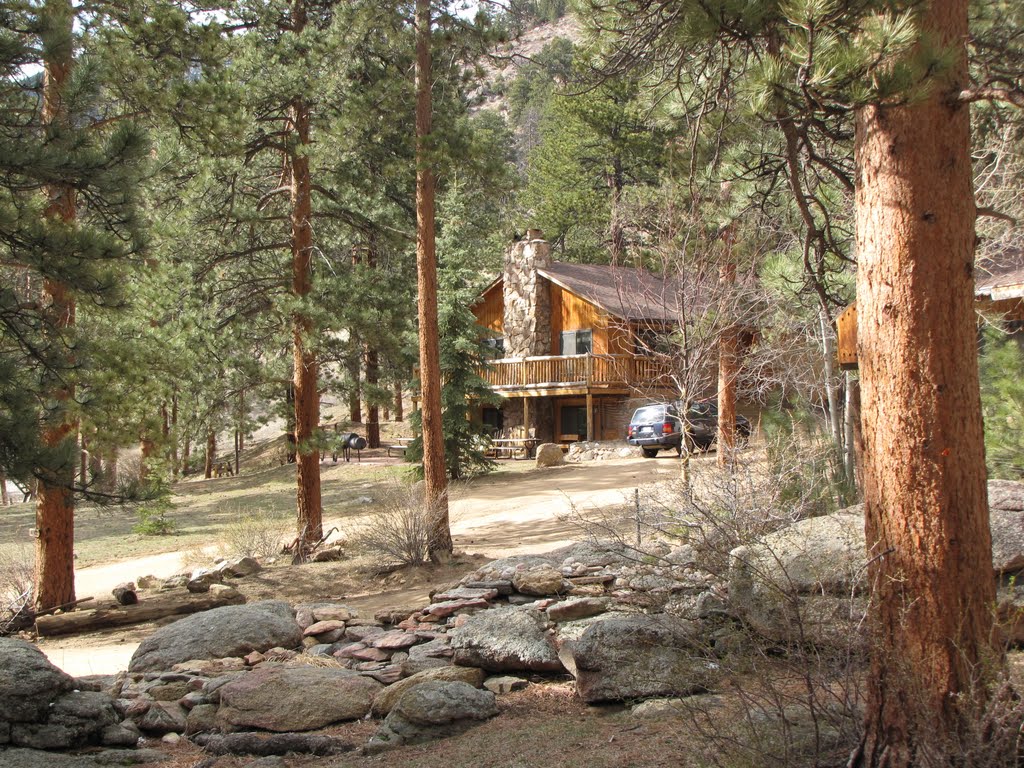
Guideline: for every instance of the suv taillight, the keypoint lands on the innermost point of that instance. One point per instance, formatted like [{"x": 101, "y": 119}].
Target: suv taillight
[{"x": 666, "y": 428}]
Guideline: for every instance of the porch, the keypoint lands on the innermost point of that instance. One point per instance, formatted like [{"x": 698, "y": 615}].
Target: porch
[{"x": 577, "y": 375}]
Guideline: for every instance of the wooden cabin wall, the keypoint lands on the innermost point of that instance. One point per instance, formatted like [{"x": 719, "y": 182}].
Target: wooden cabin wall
[
  {"x": 490, "y": 310},
  {"x": 571, "y": 313}
]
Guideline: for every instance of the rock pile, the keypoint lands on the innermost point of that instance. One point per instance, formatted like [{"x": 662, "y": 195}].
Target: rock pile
[{"x": 600, "y": 450}]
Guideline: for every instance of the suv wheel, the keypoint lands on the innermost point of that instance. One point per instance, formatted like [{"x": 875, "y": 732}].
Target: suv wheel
[{"x": 650, "y": 453}]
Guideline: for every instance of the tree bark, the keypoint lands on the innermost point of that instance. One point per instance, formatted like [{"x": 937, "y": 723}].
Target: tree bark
[
  {"x": 5, "y": 498},
  {"x": 55, "y": 508},
  {"x": 175, "y": 469},
  {"x": 399, "y": 405},
  {"x": 355, "y": 400},
  {"x": 373, "y": 412},
  {"x": 728, "y": 360},
  {"x": 434, "y": 475},
  {"x": 926, "y": 510},
  {"x": 211, "y": 452},
  {"x": 309, "y": 513},
  {"x": 289, "y": 399}
]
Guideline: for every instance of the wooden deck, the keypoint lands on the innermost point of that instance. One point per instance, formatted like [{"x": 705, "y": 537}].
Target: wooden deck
[{"x": 576, "y": 375}]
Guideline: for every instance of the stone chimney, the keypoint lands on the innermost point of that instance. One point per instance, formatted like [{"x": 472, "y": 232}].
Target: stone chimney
[{"x": 527, "y": 297}]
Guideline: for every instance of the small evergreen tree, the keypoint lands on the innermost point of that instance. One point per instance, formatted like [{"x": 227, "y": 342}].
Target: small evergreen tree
[{"x": 462, "y": 347}]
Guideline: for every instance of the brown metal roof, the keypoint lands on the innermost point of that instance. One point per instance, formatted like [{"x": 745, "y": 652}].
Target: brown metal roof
[
  {"x": 1000, "y": 276},
  {"x": 625, "y": 292}
]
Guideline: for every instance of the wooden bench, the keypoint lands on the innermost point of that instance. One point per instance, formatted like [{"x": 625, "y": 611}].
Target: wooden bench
[{"x": 513, "y": 447}]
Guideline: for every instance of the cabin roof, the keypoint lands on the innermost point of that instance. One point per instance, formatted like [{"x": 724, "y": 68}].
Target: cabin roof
[{"x": 1001, "y": 276}]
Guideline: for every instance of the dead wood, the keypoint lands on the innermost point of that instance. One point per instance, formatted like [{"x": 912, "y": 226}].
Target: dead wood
[{"x": 176, "y": 603}]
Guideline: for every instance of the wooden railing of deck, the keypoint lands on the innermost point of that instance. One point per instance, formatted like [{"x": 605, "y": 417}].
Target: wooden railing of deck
[{"x": 586, "y": 370}]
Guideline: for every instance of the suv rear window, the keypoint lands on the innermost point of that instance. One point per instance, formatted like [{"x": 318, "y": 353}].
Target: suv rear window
[{"x": 652, "y": 414}]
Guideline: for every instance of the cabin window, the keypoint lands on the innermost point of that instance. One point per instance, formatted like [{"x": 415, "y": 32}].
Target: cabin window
[
  {"x": 573, "y": 420},
  {"x": 576, "y": 343},
  {"x": 493, "y": 420},
  {"x": 652, "y": 341},
  {"x": 495, "y": 347}
]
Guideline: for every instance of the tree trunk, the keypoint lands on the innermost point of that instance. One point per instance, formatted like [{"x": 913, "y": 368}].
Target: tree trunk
[
  {"x": 851, "y": 430},
  {"x": 83, "y": 458},
  {"x": 175, "y": 469},
  {"x": 110, "y": 472},
  {"x": 616, "y": 231},
  {"x": 926, "y": 510},
  {"x": 289, "y": 399},
  {"x": 399, "y": 405},
  {"x": 355, "y": 401},
  {"x": 211, "y": 452},
  {"x": 373, "y": 412},
  {"x": 148, "y": 448},
  {"x": 309, "y": 514},
  {"x": 5, "y": 498},
  {"x": 728, "y": 361},
  {"x": 434, "y": 475},
  {"x": 55, "y": 509}
]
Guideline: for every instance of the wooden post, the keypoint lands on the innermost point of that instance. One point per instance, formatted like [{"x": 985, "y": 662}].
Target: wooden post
[
  {"x": 590, "y": 417},
  {"x": 526, "y": 417}
]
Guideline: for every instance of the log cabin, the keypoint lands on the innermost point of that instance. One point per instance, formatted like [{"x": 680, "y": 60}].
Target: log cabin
[{"x": 572, "y": 345}]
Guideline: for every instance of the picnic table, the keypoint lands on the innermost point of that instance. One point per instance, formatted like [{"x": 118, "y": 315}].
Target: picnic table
[
  {"x": 511, "y": 447},
  {"x": 398, "y": 447}
]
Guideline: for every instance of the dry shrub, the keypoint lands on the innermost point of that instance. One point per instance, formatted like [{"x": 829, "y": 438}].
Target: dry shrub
[
  {"x": 397, "y": 529},
  {"x": 17, "y": 587},
  {"x": 254, "y": 533}
]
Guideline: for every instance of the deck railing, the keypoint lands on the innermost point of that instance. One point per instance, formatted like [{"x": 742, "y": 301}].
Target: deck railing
[{"x": 576, "y": 370}]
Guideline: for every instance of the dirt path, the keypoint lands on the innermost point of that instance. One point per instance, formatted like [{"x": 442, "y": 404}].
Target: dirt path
[{"x": 516, "y": 512}]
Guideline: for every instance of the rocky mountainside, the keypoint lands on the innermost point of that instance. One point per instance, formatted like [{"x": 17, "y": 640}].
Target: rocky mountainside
[{"x": 505, "y": 62}]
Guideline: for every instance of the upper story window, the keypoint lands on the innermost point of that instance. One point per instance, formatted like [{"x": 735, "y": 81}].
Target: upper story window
[
  {"x": 576, "y": 343},
  {"x": 495, "y": 347}
]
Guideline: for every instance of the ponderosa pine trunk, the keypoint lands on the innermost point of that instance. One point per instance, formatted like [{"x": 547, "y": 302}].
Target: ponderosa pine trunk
[
  {"x": 211, "y": 453},
  {"x": 926, "y": 510},
  {"x": 309, "y": 513},
  {"x": 728, "y": 363},
  {"x": 434, "y": 476},
  {"x": 399, "y": 404},
  {"x": 55, "y": 506}
]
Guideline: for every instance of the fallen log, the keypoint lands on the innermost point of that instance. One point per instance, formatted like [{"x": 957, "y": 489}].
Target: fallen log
[
  {"x": 264, "y": 745},
  {"x": 175, "y": 603}
]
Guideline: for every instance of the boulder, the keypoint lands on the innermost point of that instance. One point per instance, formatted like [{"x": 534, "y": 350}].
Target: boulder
[
  {"x": 431, "y": 710},
  {"x": 29, "y": 682},
  {"x": 76, "y": 719},
  {"x": 541, "y": 580},
  {"x": 506, "y": 639},
  {"x": 550, "y": 455},
  {"x": 282, "y": 699},
  {"x": 823, "y": 555},
  {"x": 387, "y": 698},
  {"x": 579, "y": 608},
  {"x": 233, "y": 630},
  {"x": 239, "y": 567},
  {"x": 1006, "y": 519},
  {"x": 641, "y": 656}
]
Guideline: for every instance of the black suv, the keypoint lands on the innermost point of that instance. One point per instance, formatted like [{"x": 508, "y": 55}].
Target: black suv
[{"x": 659, "y": 425}]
